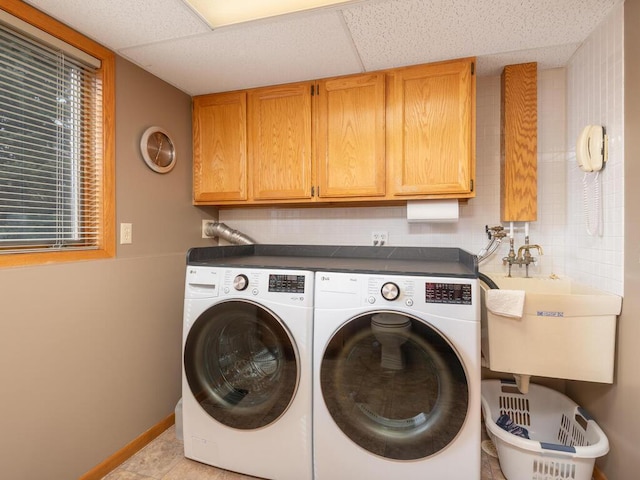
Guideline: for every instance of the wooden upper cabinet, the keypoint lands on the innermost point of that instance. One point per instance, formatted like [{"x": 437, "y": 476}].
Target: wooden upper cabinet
[
  {"x": 431, "y": 130},
  {"x": 350, "y": 137},
  {"x": 220, "y": 147},
  {"x": 519, "y": 143},
  {"x": 280, "y": 152},
  {"x": 393, "y": 135}
]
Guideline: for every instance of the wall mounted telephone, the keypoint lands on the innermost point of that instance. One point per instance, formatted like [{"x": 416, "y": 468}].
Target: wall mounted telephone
[
  {"x": 591, "y": 148},
  {"x": 591, "y": 155}
]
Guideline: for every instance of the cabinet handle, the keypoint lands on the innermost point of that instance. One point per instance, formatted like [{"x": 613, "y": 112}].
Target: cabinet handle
[{"x": 313, "y": 189}]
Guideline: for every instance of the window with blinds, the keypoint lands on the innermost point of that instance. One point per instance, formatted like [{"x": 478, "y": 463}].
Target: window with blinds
[{"x": 50, "y": 148}]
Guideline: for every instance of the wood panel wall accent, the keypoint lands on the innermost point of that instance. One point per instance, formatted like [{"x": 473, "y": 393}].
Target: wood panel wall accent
[{"x": 519, "y": 143}]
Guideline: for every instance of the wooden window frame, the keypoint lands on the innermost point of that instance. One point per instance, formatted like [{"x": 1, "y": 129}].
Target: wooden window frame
[{"x": 106, "y": 242}]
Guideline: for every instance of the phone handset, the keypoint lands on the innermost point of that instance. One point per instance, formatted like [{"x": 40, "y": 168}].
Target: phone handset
[
  {"x": 591, "y": 155},
  {"x": 591, "y": 148}
]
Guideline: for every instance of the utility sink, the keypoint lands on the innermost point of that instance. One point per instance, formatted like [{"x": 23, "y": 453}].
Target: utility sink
[{"x": 567, "y": 330}]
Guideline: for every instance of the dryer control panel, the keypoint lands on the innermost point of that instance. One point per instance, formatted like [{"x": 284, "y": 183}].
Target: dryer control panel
[{"x": 450, "y": 297}]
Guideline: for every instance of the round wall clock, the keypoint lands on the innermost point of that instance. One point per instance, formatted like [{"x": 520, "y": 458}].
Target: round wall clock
[{"x": 158, "y": 149}]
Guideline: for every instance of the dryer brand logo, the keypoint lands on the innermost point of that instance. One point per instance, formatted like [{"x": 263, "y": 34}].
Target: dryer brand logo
[{"x": 325, "y": 278}]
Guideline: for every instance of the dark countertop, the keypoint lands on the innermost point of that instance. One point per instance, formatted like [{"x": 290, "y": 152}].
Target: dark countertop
[{"x": 425, "y": 261}]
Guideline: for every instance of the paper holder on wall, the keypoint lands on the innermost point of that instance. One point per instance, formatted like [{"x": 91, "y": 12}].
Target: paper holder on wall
[{"x": 432, "y": 211}]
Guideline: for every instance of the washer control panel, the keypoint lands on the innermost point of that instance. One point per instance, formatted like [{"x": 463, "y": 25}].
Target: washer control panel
[
  {"x": 449, "y": 293},
  {"x": 286, "y": 283},
  {"x": 294, "y": 287}
]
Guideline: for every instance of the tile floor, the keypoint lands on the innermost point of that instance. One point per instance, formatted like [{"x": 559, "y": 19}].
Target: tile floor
[{"x": 163, "y": 459}]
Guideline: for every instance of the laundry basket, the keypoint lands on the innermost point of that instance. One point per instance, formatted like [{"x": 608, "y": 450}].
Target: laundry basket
[{"x": 564, "y": 441}]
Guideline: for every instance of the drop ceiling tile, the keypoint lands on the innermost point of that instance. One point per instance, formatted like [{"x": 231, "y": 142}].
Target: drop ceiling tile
[
  {"x": 167, "y": 38},
  {"x": 402, "y": 32},
  {"x": 125, "y": 23},
  {"x": 264, "y": 53}
]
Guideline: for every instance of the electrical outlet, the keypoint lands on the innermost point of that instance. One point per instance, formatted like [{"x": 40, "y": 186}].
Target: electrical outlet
[
  {"x": 379, "y": 239},
  {"x": 206, "y": 222},
  {"x": 126, "y": 233}
]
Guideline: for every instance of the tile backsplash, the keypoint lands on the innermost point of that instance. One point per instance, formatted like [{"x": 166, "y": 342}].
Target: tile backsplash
[
  {"x": 595, "y": 89},
  {"x": 568, "y": 250}
]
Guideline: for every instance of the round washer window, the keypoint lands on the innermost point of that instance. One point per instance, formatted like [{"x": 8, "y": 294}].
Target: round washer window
[
  {"x": 241, "y": 364},
  {"x": 404, "y": 405}
]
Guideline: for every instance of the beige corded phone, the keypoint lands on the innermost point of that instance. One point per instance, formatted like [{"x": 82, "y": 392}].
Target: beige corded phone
[
  {"x": 591, "y": 155},
  {"x": 591, "y": 148}
]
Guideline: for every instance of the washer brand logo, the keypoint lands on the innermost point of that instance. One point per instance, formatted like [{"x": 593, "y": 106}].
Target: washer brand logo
[{"x": 324, "y": 278}]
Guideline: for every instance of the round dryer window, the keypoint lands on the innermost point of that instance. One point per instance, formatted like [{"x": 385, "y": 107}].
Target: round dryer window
[
  {"x": 241, "y": 364},
  {"x": 399, "y": 391}
]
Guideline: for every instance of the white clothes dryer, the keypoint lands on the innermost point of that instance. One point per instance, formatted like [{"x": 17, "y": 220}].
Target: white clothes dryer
[
  {"x": 246, "y": 383},
  {"x": 396, "y": 377}
]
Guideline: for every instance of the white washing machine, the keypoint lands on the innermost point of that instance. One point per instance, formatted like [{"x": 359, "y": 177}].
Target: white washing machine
[
  {"x": 246, "y": 384},
  {"x": 396, "y": 377}
]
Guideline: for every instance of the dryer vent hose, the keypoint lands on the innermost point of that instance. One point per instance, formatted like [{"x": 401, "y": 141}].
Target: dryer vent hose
[{"x": 220, "y": 230}]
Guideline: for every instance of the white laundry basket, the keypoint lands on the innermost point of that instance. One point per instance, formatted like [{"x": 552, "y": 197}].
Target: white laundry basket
[{"x": 564, "y": 441}]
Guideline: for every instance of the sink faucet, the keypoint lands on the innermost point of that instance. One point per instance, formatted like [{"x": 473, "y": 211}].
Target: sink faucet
[
  {"x": 522, "y": 258},
  {"x": 510, "y": 259}
]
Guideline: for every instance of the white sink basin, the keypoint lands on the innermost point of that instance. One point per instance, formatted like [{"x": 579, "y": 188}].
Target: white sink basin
[{"x": 567, "y": 330}]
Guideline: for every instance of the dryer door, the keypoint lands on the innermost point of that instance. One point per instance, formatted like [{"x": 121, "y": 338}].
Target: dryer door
[
  {"x": 398, "y": 392},
  {"x": 241, "y": 364}
]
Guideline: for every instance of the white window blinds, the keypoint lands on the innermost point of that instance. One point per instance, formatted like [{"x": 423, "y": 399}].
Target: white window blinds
[{"x": 50, "y": 148}]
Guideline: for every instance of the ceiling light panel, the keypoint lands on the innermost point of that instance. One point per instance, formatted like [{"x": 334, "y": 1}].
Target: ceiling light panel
[{"x": 218, "y": 13}]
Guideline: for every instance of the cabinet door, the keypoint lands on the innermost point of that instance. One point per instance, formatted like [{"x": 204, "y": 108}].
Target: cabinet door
[
  {"x": 280, "y": 142},
  {"x": 431, "y": 129},
  {"x": 351, "y": 137},
  {"x": 220, "y": 147}
]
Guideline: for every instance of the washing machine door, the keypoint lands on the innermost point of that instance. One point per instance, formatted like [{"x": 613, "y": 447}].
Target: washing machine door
[
  {"x": 399, "y": 394},
  {"x": 241, "y": 364}
]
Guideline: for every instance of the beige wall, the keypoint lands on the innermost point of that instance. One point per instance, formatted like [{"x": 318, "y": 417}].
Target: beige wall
[
  {"x": 90, "y": 351},
  {"x": 616, "y": 406}
]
